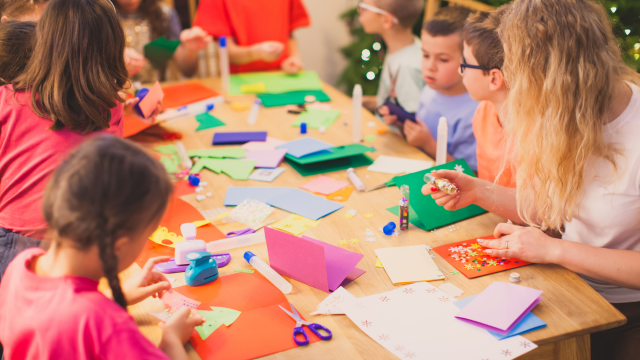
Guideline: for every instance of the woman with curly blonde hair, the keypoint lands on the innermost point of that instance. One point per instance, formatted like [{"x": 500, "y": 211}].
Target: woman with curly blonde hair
[{"x": 572, "y": 120}]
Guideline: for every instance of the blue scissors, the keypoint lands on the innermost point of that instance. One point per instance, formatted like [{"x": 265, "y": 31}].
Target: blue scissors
[
  {"x": 246, "y": 231},
  {"x": 298, "y": 330}
]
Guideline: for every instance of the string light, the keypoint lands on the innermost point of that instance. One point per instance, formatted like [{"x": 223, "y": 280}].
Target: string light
[{"x": 371, "y": 75}]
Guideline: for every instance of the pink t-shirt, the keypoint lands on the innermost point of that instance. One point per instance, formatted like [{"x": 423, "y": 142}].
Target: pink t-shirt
[
  {"x": 64, "y": 318},
  {"x": 29, "y": 152}
]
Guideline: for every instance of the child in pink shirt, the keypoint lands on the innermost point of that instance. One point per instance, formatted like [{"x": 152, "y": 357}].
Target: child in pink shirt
[{"x": 100, "y": 205}]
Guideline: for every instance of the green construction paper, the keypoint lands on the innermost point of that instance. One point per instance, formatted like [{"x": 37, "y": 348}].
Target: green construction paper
[
  {"x": 215, "y": 165},
  {"x": 413, "y": 217},
  {"x": 431, "y": 214},
  {"x": 331, "y": 165},
  {"x": 169, "y": 165},
  {"x": 208, "y": 121},
  {"x": 172, "y": 161},
  {"x": 390, "y": 183},
  {"x": 370, "y": 138},
  {"x": 276, "y": 82},
  {"x": 236, "y": 169},
  {"x": 292, "y": 98},
  {"x": 315, "y": 118},
  {"x": 234, "y": 152},
  {"x": 214, "y": 319},
  {"x": 337, "y": 152},
  {"x": 160, "y": 51}
]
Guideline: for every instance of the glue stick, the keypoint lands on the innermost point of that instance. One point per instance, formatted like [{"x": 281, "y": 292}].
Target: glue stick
[
  {"x": 441, "y": 147},
  {"x": 404, "y": 207},
  {"x": 253, "y": 113},
  {"x": 266, "y": 271},
  {"x": 224, "y": 63},
  {"x": 357, "y": 114}
]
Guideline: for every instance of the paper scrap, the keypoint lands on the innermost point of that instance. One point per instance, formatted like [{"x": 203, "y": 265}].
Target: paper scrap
[
  {"x": 150, "y": 102},
  {"x": 315, "y": 118},
  {"x": 295, "y": 224},
  {"x": 324, "y": 185},
  {"x": 267, "y": 175},
  {"x": 244, "y": 271},
  {"x": 230, "y": 138},
  {"x": 186, "y": 93},
  {"x": 232, "y": 152},
  {"x": 305, "y": 146},
  {"x": 302, "y": 203},
  {"x": 266, "y": 158},
  {"x": 214, "y": 319},
  {"x": 269, "y": 144},
  {"x": 208, "y": 121},
  {"x": 395, "y": 165},
  {"x": 162, "y": 236},
  {"x": 378, "y": 263},
  {"x": 176, "y": 301},
  {"x": 451, "y": 289},
  {"x": 160, "y": 51},
  {"x": 236, "y": 169},
  {"x": 237, "y": 194},
  {"x": 407, "y": 264},
  {"x": 370, "y": 138},
  {"x": 341, "y": 195},
  {"x": 274, "y": 82},
  {"x": 252, "y": 88},
  {"x": 331, "y": 305}
]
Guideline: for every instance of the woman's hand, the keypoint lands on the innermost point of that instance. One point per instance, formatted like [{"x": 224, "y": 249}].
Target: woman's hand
[
  {"x": 466, "y": 184},
  {"x": 194, "y": 39},
  {"x": 291, "y": 65},
  {"x": 268, "y": 50},
  {"x": 525, "y": 243},
  {"x": 133, "y": 61},
  {"x": 147, "y": 282}
]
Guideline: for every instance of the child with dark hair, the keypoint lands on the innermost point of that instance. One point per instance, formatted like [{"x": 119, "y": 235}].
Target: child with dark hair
[
  {"x": 16, "y": 46},
  {"x": 101, "y": 205},
  {"x": 21, "y": 10}
]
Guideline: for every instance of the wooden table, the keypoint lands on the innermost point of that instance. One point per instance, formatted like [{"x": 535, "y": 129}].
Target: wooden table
[{"x": 570, "y": 307}]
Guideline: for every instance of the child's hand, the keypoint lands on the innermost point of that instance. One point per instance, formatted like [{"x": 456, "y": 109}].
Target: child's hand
[
  {"x": 418, "y": 135},
  {"x": 129, "y": 111},
  {"x": 133, "y": 61},
  {"x": 465, "y": 183},
  {"x": 268, "y": 50},
  {"x": 388, "y": 119},
  {"x": 291, "y": 65},
  {"x": 179, "y": 327},
  {"x": 195, "y": 39},
  {"x": 147, "y": 282}
]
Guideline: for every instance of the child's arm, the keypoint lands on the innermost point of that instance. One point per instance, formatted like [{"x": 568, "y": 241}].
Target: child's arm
[
  {"x": 418, "y": 135},
  {"x": 186, "y": 55},
  {"x": 177, "y": 331},
  {"x": 292, "y": 64},
  {"x": 267, "y": 51}
]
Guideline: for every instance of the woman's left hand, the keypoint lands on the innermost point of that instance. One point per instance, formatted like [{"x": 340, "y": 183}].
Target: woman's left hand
[
  {"x": 194, "y": 39},
  {"x": 525, "y": 243},
  {"x": 147, "y": 282}
]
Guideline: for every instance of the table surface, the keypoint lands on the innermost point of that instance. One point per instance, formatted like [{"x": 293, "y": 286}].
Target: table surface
[{"x": 569, "y": 306}]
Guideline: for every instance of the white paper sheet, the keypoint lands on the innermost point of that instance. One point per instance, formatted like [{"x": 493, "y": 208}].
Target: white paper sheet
[
  {"x": 395, "y": 165},
  {"x": 331, "y": 305}
]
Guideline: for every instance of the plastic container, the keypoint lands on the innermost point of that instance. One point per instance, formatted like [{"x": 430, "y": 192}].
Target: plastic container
[{"x": 266, "y": 271}]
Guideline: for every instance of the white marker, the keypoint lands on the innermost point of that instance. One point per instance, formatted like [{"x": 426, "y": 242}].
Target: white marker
[
  {"x": 184, "y": 155},
  {"x": 357, "y": 114},
  {"x": 355, "y": 179},
  {"x": 441, "y": 149},
  {"x": 253, "y": 113},
  {"x": 224, "y": 63}
]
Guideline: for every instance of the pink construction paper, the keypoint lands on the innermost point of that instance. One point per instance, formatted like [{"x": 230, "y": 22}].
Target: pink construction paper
[
  {"x": 150, "y": 101},
  {"x": 266, "y": 158},
  {"x": 353, "y": 275},
  {"x": 324, "y": 185},
  {"x": 270, "y": 144},
  {"x": 500, "y": 306},
  {"x": 313, "y": 262}
]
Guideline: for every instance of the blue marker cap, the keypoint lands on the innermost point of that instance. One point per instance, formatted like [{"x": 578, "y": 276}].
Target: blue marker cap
[
  {"x": 210, "y": 107},
  {"x": 303, "y": 128},
  {"x": 389, "y": 228},
  {"x": 223, "y": 41},
  {"x": 248, "y": 255},
  {"x": 193, "y": 180}
]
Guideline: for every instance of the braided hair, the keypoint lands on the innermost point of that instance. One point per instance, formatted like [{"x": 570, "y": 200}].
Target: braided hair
[{"x": 107, "y": 189}]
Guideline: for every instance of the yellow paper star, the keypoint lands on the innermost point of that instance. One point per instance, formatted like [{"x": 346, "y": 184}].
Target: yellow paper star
[
  {"x": 468, "y": 267},
  {"x": 287, "y": 226},
  {"x": 478, "y": 265},
  {"x": 368, "y": 215},
  {"x": 297, "y": 218},
  {"x": 348, "y": 216},
  {"x": 493, "y": 262},
  {"x": 477, "y": 246},
  {"x": 472, "y": 253},
  {"x": 354, "y": 240}
]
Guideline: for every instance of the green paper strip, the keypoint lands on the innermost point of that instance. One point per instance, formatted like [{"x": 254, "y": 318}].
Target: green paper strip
[
  {"x": 208, "y": 121},
  {"x": 332, "y": 165},
  {"x": 337, "y": 152},
  {"x": 275, "y": 82},
  {"x": 234, "y": 152},
  {"x": 292, "y": 98},
  {"x": 316, "y": 118},
  {"x": 214, "y": 319}
]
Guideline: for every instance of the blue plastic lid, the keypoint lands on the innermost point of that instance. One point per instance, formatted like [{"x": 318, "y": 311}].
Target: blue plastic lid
[
  {"x": 223, "y": 41},
  {"x": 210, "y": 107},
  {"x": 248, "y": 255}
]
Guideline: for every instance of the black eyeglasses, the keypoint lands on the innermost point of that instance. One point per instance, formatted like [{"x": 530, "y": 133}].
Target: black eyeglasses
[{"x": 463, "y": 65}]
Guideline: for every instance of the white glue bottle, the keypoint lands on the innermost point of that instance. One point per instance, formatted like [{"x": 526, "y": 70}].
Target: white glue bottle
[
  {"x": 266, "y": 271},
  {"x": 357, "y": 114},
  {"x": 443, "y": 137},
  {"x": 224, "y": 63}
]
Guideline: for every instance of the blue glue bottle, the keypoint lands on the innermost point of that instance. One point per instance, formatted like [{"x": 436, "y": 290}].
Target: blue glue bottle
[
  {"x": 194, "y": 180},
  {"x": 202, "y": 270},
  {"x": 389, "y": 228},
  {"x": 303, "y": 128}
]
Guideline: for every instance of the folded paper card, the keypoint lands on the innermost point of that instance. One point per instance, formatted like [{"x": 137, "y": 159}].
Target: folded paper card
[
  {"x": 315, "y": 263},
  {"x": 529, "y": 323},
  {"x": 395, "y": 165},
  {"x": 470, "y": 259},
  {"x": 302, "y": 203},
  {"x": 407, "y": 264},
  {"x": 208, "y": 121},
  {"x": 274, "y": 83},
  {"x": 231, "y": 138},
  {"x": 316, "y": 118},
  {"x": 186, "y": 93},
  {"x": 160, "y": 51},
  {"x": 324, "y": 185},
  {"x": 305, "y": 146},
  {"x": 324, "y": 167},
  {"x": 269, "y": 144},
  {"x": 232, "y": 152},
  {"x": 150, "y": 102},
  {"x": 295, "y": 224},
  {"x": 266, "y": 158},
  {"x": 500, "y": 306},
  {"x": 432, "y": 215},
  {"x": 331, "y": 305},
  {"x": 237, "y": 194},
  {"x": 267, "y": 175},
  {"x": 333, "y": 153},
  {"x": 132, "y": 125},
  {"x": 417, "y": 322},
  {"x": 236, "y": 169},
  {"x": 293, "y": 98}
]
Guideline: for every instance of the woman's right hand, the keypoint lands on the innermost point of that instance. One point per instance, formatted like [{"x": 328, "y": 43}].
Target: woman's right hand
[
  {"x": 268, "y": 50},
  {"x": 466, "y": 184}
]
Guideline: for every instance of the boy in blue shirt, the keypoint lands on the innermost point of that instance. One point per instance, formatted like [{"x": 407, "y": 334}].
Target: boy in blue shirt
[{"x": 445, "y": 94}]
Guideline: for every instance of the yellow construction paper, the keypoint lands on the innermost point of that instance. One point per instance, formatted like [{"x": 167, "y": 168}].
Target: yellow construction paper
[
  {"x": 378, "y": 263},
  {"x": 162, "y": 236},
  {"x": 295, "y": 224},
  {"x": 408, "y": 264},
  {"x": 252, "y": 88}
]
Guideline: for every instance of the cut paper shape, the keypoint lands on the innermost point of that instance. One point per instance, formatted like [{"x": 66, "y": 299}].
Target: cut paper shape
[
  {"x": 232, "y": 152},
  {"x": 468, "y": 252},
  {"x": 244, "y": 271},
  {"x": 214, "y": 319},
  {"x": 432, "y": 215},
  {"x": 169, "y": 165},
  {"x": 378, "y": 263},
  {"x": 451, "y": 289},
  {"x": 170, "y": 158},
  {"x": 178, "y": 213},
  {"x": 305, "y": 146},
  {"x": 267, "y": 175},
  {"x": 408, "y": 264},
  {"x": 252, "y": 88},
  {"x": 341, "y": 195},
  {"x": 275, "y": 83},
  {"x": 208, "y": 121},
  {"x": 162, "y": 236},
  {"x": 370, "y": 138},
  {"x": 315, "y": 118},
  {"x": 186, "y": 93},
  {"x": 257, "y": 299},
  {"x": 315, "y": 263},
  {"x": 302, "y": 203},
  {"x": 270, "y": 144},
  {"x": 395, "y": 165},
  {"x": 292, "y": 98},
  {"x": 132, "y": 125},
  {"x": 529, "y": 323},
  {"x": 401, "y": 320},
  {"x": 324, "y": 185},
  {"x": 176, "y": 301},
  {"x": 150, "y": 102},
  {"x": 160, "y": 51},
  {"x": 237, "y": 194},
  {"x": 331, "y": 304},
  {"x": 239, "y": 106},
  {"x": 251, "y": 212},
  {"x": 295, "y": 224},
  {"x": 334, "y": 153},
  {"x": 266, "y": 158},
  {"x": 182, "y": 187},
  {"x": 500, "y": 307},
  {"x": 232, "y": 138},
  {"x": 236, "y": 169},
  {"x": 331, "y": 165}
]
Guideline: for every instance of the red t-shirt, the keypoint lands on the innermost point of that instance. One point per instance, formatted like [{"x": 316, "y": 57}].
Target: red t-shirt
[
  {"x": 253, "y": 21},
  {"x": 64, "y": 318},
  {"x": 29, "y": 152}
]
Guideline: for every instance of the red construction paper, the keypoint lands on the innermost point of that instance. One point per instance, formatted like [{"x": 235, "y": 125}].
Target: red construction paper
[
  {"x": 133, "y": 126},
  {"x": 150, "y": 102},
  {"x": 262, "y": 328},
  {"x": 183, "y": 187},
  {"x": 186, "y": 93},
  {"x": 480, "y": 258},
  {"x": 178, "y": 213}
]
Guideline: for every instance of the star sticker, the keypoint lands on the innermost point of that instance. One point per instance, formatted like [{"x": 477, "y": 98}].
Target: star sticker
[
  {"x": 367, "y": 323},
  {"x": 454, "y": 272},
  {"x": 432, "y": 256},
  {"x": 525, "y": 344},
  {"x": 454, "y": 249},
  {"x": 399, "y": 348},
  {"x": 459, "y": 168},
  {"x": 476, "y": 246},
  {"x": 506, "y": 352},
  {"x": 472, "y": 253},
  {"x": 478, "y": 265},
  {"x": 468, "y": 267},
  {"x": 493, "y": 263},
  {"x": 343, "y": 242},
  {"x": 429, "y": 248},
  {"x": 368, "y": 215},
  {"x": 371, "y": 239},
  {"x": 384, "y": 337},
  {"x": 348, "y": 216},
  {"x": 354, "y": 240},
  {"x": 410, "y": 355}
]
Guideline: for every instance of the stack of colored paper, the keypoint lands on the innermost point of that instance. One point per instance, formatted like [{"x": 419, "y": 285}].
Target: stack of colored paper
[{"x": 408, "y": 264}]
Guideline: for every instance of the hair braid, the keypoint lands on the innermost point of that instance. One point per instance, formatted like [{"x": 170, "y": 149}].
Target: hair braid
[{"x": 110, "y": 269}]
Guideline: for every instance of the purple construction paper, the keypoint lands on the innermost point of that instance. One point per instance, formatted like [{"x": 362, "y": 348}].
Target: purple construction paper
[
  {"x": 340, "y": 262},
  {"x": 266, "y": 158},
  {"x": 354, "y": 274},
  {"x": 500, "y": 331},
  {"x": 228, "y": 138}
]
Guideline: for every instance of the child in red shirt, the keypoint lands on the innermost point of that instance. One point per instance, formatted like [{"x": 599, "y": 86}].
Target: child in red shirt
[{"x": 259, "y": 31}]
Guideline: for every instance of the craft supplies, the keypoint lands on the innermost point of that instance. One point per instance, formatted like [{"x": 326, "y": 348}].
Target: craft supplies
[
  {"x": 303, "y": 128},
  {"x": 253, "y": 113},
  {"x": 266, "y": 271},
  {"x": 324, "y": 185},
  {"x": 389, "y": 228},
  {"x": 355, "y": 179},
  {"x": 194, "y": 180},
  {"x": 298, "y": 330},
  {"x": 514, "y": 277},
  {"x": 189, "y": 245},
  {"x": 223, "y": 55},
  {"x": 443, "y": 185},
  {"x": 295, "y": 224},
  {"x": 248, "y": 230},
  {"x": 235, "y": 242},
  {"x": 395, "y": 165},
  {"x": 202, "y": 270},
  {"x": 251, "y": 212},
  {"x": 267, "y": 175},
  {"x": 407, "y": 264},
  {"x": 443, "y": 138},
  {"x": 404, "y": 208},
  {"x": 357, "y": 114}
]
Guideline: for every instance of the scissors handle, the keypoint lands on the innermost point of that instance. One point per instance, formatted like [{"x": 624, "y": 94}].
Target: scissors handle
[
  {"x": 298, "y": 330},
  {"x": 315, "y": 328},
  {"x": 239, "y": 232}
]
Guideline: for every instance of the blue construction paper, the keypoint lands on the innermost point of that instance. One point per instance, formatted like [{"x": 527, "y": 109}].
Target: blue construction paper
[
  {"x": 304, "y": 204},
  {"x": 237, "y": 194},
  {"x": 305, "y": 146},
  {"x": 228, "y": 138},
  {"x": 529, "y": 323}
]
